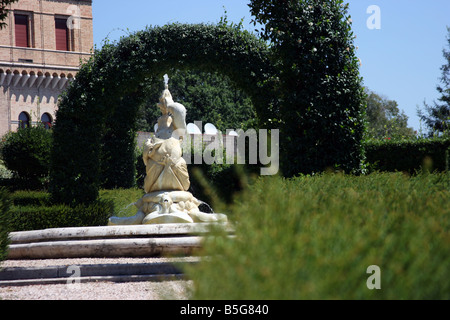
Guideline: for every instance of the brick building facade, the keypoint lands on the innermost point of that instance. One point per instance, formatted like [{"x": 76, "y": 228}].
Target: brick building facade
[{"x": 40, "y": 52}]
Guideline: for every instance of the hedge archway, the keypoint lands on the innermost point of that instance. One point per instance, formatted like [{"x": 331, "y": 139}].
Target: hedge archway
[{"x": 106, "y": 92}]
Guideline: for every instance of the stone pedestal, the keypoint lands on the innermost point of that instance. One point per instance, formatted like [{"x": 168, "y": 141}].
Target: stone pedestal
[{"x": 168, "y": 207}]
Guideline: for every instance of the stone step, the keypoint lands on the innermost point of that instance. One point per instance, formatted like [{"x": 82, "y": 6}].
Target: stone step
[
  {"x": 113, "y": 232},
  {"x": 111, "y": 241},
  {"x": 129, "y": 272},
  {"x": 108, "y": 248},
  {"x": 117, "y": 279}
]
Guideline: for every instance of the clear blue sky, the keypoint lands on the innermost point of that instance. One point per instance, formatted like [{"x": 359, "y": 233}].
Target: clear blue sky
[{"x": 400, "y": 61}]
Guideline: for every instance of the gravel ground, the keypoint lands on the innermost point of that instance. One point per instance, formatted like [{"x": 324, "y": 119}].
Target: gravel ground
[
  {"x": 172, "y": 290},
  {"x": 169, "y": 290}
]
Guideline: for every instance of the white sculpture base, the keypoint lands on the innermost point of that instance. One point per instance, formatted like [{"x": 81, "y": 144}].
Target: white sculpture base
[
  {"x": 163, "y": 207},
  {"x": 163, "y": 218},
  {"x": 110, "y": 242}
]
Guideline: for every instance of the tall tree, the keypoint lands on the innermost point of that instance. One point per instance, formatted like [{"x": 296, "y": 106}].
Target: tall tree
[
  {"x": 437, "y": 118},
  {"x": 321, "y": 100},
  {"x": 384, "y": 118},
  {"x": 4, "y": 11}
]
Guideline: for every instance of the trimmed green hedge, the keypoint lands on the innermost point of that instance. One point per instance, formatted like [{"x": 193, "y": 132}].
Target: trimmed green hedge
[
  {"x": 30, "y": 198},
  {"x": 409, "y": 156},
  {"x": 34, "y": 211},
  {"x": 4, "y": 222}
]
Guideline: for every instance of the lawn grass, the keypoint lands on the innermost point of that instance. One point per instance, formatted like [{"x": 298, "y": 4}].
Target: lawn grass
[
  {"x": 123, "y": 200},
  {"x": 315, "y": 237}
]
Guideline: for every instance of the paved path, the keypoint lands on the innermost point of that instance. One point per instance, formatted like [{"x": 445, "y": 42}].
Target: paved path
[{"x": 95, "y": 279}]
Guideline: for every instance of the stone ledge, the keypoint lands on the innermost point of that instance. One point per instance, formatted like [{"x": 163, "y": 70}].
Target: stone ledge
[
  {"x": 159, "y": 271},
  {"x": 111, "y": 241},
  {"x": 116, "y": 279},
  {"x": 112, "y": 232},
  {"x": 137, "y": 247}
]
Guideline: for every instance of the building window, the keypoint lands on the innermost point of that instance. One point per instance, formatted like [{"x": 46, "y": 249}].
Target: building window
[
  {"x": 62, "y": 34},
  {"x": 47, "y": 120},
  {"x": 22, "y": 30},
  {"x": 24, "y": 120}
]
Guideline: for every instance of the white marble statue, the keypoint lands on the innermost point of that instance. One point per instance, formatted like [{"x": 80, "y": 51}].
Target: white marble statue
[
  {"x": 166, "y": 184},
  {"x": 165, "y": 167},
  {"x": 173, "y": 117}
]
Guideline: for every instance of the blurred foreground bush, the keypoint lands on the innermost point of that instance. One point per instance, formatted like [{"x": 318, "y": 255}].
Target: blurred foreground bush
[{"x": 315, "y": 237}]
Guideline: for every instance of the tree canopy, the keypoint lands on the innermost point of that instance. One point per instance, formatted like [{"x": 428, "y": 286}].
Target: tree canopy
[
  {"x": 437, "y": 116},
  {"x": 208, "y": 97},
  {"x": 4, "y": 11},
  {"x": 384, "y": 118},
  {"x": 321, "y": 99}
]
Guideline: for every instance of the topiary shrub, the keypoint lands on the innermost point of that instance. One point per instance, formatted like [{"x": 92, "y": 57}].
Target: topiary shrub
[
  {"x": 118, "y": 145},
  {"x": 117, "y": 72},
  {"x": 27, "y": 154},
  {"x": 30, "y": 198},
  {"x": 321, "y": 98},
  {"x": 305, "y": 82},
  {"x": 5, "y": 226}
]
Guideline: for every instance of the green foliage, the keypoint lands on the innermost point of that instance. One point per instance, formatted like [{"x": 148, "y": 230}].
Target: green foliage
[
  {"x": 30, "y": 198},
  {"x": 122, "y": 200},
  {"x": 119, "y": 71},
  {"x": 208, "y": 97},
  {"x": 314, "y": 238},
  {"x": 321, "y": 100},
  {"x": 217, "y": 184},
  {"x": 437, "y": 118},
  {"x": 27, "y": 154},
  {"x": 34, "y": 211},
  {"x": 408, "y": 155},
  {"x": 385, "y": 120},
  {"x": 118, "y": 146},
  {"x": 5, "y": 223},
  {"x": 4, "y": 11},
  {"x": 302, "y": 77}
]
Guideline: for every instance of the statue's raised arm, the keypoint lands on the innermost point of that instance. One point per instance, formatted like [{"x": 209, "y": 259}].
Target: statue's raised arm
[{"x": 172, "y": 123}]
